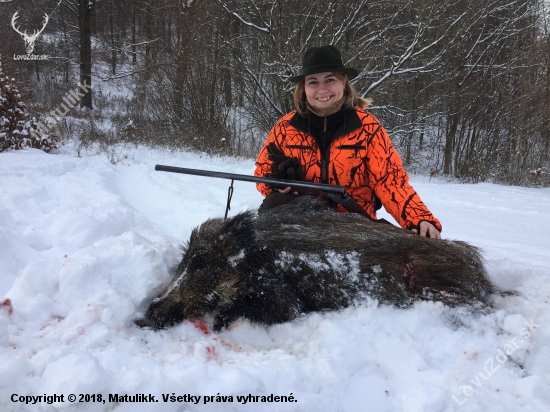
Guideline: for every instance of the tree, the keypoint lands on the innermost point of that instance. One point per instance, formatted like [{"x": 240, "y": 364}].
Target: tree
[
  {"x": 462, "y": 86},
  {"x": 16, "y": 131},
  {"x": 83, "y": 9}
]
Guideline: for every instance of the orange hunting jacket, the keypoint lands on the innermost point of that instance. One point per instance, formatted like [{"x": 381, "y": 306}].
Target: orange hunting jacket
[{"x": 363, "y": 160}]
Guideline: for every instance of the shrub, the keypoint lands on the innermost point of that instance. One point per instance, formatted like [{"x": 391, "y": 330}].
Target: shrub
[{"x": 16, "y": 131}]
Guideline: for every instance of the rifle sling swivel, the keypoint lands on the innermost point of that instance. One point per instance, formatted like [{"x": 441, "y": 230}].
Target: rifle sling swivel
[{"x": 229, "y": 197}]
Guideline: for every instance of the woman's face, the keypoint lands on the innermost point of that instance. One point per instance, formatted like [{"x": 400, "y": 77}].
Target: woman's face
[{"x": 323, "y": 89}]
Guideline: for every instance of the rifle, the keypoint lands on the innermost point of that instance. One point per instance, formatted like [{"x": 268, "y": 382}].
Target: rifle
[{"x": 332, "y": 192}]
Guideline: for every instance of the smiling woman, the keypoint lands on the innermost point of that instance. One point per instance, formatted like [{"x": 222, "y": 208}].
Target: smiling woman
[
  {"x": 331, "y": 138},
  {"x": 324, "y": 90}
]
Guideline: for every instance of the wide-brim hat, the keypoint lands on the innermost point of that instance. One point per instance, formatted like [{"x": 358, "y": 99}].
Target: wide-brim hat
[{"x": 323, "y": 59}]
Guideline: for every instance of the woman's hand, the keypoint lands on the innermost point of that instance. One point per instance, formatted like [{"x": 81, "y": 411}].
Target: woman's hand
[
  {"x": 287, "y": 190},
  {"x": 426, "y": 230},
  {"x": 283, "y": 166}
]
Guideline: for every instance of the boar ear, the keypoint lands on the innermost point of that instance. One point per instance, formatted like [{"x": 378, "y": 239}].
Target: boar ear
[{"x": 237, "y": 233}]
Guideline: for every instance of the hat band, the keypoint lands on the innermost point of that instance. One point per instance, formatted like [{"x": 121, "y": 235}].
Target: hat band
[{"x": 322, "y": 68}]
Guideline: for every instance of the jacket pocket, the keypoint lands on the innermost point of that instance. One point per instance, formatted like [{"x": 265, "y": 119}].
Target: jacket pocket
[
  {"x": 299, "y": 146},
  {"x": 351, "y": 147}
]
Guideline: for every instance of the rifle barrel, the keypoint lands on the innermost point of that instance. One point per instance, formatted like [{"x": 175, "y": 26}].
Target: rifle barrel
[{"x": 294, "y": 184}]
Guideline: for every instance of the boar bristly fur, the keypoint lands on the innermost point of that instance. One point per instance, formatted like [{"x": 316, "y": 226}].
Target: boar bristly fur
[{"x": 303, "y": 257}]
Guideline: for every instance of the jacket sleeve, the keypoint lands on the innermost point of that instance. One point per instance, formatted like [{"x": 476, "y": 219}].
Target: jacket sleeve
[
  {"x": 391, "y": 184},
  {"x": 263, "y": 163}
]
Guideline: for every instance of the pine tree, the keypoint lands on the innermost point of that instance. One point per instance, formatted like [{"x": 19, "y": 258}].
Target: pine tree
[{"x": 16, "y": 132}]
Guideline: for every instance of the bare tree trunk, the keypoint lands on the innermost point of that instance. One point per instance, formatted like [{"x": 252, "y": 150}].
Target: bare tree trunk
[
  {"x": 113, "y": 44},
  {"x": 148, "y": 27},
  {"x": 85, "y": 8},
  {"x": 413, "y": 119},
  {"x": 37, "y": 71},
  {"x": 65, "y": 40},
  {"x": 449, "y": 140},
  {"x": 134, "y": 54},
  {"x": 423, "y": 130}
]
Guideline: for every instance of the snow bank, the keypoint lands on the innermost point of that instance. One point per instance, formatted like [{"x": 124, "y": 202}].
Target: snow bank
[{"x": 84, "y": 245}]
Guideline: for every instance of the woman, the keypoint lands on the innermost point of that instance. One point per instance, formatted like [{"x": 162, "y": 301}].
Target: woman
[{"x": 331, "y": 138}]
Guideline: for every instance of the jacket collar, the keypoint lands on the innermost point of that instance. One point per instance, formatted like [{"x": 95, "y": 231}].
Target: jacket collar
[{"x": 351, "y": 122}]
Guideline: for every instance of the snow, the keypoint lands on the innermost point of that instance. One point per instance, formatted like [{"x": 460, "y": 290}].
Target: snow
[{"x": 86, "y": 244}]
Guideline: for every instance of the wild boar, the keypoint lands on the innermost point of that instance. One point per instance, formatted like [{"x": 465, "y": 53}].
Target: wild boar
[{"x": 301, "y": 257}]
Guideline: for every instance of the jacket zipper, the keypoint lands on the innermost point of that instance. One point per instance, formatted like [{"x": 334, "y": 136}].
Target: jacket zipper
[{"x": 324, "y": 163}]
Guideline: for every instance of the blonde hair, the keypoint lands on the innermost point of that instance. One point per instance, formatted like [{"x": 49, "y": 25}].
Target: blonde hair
[{"x": 352, "y": 100}]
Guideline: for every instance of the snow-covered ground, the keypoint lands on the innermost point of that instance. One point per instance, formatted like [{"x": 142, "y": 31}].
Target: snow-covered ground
[{"x": 85, "y": 244}]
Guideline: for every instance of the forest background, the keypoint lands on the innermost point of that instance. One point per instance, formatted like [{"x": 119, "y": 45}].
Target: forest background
[{"x": 462, "y": 86}]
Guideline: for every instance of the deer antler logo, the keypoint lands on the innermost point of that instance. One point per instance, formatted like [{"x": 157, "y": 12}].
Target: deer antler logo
[{"x": 29, "y": 40}]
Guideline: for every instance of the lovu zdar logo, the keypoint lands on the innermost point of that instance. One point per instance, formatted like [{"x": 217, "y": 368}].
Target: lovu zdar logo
[{"x": 29, "y": 40}]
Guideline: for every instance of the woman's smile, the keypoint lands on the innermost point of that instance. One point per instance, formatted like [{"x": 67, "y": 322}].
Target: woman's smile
[
  {"x": 323, "y": 89},
  {"x": 323, "y": 99}
]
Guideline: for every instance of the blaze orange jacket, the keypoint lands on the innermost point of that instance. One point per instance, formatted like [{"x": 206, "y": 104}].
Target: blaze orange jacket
[{"x": 360, "y": 157}]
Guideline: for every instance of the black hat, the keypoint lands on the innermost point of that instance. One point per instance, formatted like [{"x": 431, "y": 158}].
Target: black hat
[{"x": 323, "y": 59}]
